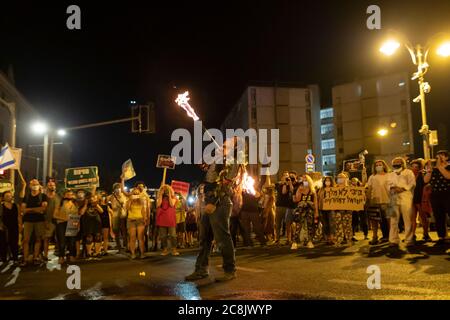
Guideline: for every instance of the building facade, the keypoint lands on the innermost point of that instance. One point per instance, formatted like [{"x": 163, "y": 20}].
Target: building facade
[
  {"x": 360, "y": 110},
  {"x": 294, "y": 110}
]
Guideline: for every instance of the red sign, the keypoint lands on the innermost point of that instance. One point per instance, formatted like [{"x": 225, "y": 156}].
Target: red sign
[{"x": 181, "y": 187}]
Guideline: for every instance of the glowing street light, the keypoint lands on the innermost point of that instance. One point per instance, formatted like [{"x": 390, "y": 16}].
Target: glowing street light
[
  {"x": 444, "y": 49},
  {"x": 39, "y": 128},
  {"x": 382, "y": 132},
  {"x": 419, "y": 56},
  {"x": 61, "y": 132},
  {"x": 389, "y": 47}
]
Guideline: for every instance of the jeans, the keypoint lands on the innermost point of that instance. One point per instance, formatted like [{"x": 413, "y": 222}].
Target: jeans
[
  {"x": 65, "y": 242},
  {"x": 235, "y": 227},
  {"x": 216, "y": 226},
  {"x": 168, "y": 234},
  {"x": 326, "y": 219},
  {"x": 441, "y": 208},
  {"x": 360, "y": 218},
  {"x": 9, "y": 239}
]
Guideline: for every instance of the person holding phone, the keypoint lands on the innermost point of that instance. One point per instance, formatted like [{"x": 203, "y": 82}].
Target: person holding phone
[{"x": 438, "y": 176}]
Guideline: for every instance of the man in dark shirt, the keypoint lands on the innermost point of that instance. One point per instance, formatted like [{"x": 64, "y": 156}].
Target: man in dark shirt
[
  {"x": 250, "y": 217},
  {"x": 282, "y": 203},
  {"x": 439, "y": 179},
  {"x": 33, "y": 207},
  {"x": 291, "y": 205}
]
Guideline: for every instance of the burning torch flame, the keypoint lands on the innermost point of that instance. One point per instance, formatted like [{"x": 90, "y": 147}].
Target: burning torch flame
[
  {"x": 183, "y": 101},
  {"x": 248, "y": 184}
]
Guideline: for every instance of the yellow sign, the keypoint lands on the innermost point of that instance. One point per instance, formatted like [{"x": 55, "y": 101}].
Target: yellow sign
[{"x": 344, "y": 198}]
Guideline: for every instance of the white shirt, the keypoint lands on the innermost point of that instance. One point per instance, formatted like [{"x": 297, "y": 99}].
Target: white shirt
[
  {"x": 378, "y": 189},
  {"x": 406, "y": 180}
]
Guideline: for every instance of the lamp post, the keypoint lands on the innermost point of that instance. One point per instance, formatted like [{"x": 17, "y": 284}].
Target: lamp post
[
  {"x": 419, "y": 56},
  {"x": 11, "y": 106}
]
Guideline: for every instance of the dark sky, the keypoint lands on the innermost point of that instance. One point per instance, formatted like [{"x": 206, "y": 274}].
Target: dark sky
[{"x": 142, "y": 50}]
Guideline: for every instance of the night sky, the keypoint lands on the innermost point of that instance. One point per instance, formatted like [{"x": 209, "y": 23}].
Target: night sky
[{"x": 152, "y": 50}]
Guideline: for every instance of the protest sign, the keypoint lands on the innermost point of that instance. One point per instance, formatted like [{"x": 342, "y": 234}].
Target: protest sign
[
  {"x": 344, "y": 198},
  {"x": 73, "y": 225},
  {"x": 180, "y": 187},
  {"x": 17, "y": 154},
  {"x": 128, "y": 170},
  {"x": 82, "y": 178},
  {"x": 165, "y": 161}
]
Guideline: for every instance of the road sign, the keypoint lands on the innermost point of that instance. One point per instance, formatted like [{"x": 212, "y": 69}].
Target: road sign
[
  {"x": 82, "y": 178},
  {"x": 310, "y": 167},
  {"x": 165, "y": 161},
  {"x": 310, "y": 159}
]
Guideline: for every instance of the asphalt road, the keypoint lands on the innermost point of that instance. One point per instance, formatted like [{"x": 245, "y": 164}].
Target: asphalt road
[{"x": 262, "y": 273}]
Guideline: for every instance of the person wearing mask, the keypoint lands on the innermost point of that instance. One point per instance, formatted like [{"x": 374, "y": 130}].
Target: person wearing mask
[
  {"x": 67, "y": 210},
  {"x": 106, "y": 218},
  {"x": 282, "y": 203},
  {"x": 53, "y": 201},
  {"x": 307, "y": 212},
  {"x": 359, "y": 218},
  {"x": 417, "y": 168},
  {"x": 378, "y": 200},
  {"x": 92, "y": 225},
  {"x": 401, "y": 183},
  {"x": 292, "y": 186},
  {"x": 118, "y": 202},
  {"x": 10, "y": 227},
  {"x": 180, "y": 209},
  {"x": 342, "y": 219},
  {"x": 166, "y": 219},
  {"x": 136, "y": 223},
  {"x": 438, "y": 176},
  {"x": 326, "y": 215},
  {"x": 33, "y": 208}
]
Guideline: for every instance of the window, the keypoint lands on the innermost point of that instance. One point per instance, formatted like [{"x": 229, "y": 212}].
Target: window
[
  {"x": 328, "y": 144},
  {"x": 326, "y": 128},
  {"x": 329, "y": 160},
  {"x": 326, "y": 113}
]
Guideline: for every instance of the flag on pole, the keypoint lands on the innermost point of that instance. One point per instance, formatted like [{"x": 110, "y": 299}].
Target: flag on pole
[{"x": 6, "y": 158}]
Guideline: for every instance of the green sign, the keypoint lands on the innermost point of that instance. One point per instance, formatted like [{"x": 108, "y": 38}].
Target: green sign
[{"x": 82, "y": 178}]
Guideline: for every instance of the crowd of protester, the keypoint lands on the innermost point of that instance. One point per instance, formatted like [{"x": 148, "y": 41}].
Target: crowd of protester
[{"x": 87, "y": 224}]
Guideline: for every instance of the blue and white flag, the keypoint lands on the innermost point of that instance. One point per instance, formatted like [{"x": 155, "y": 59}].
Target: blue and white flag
[{"x": 6, "y": 158}]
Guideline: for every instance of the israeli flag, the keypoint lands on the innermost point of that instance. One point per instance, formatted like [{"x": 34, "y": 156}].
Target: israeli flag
[{"x": 6, "y": 158}]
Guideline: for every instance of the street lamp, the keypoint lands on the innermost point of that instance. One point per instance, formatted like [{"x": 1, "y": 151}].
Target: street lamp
[
  {"x": 419, "y": 56},
  {"x": 382, "y": 132}
]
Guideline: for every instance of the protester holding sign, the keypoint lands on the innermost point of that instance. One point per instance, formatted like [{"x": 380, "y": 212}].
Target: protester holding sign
[
  {"x": 66, "y": 238},
  {"x": 401, "y": 185},
  {"x": 119, "y": 216},
  {"x": 359, "y": 218},
  {"x": 33, "y": 207},
  {"x": 92, "y": 225},
  {"x": 166, "y": 219},
  {"x": 378, "y": 199},
  {"x": 326, "y": 215},
  {"x": 342, "y": 218}
]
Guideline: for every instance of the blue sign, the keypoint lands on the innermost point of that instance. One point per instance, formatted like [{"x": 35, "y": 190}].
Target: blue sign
[{"x": 310, "y": 158}]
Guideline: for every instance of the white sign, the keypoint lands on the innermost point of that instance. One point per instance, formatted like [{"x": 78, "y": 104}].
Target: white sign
[{"x": 17, "y": 154}]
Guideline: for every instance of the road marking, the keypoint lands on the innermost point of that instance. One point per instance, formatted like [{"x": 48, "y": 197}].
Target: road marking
[
  {"x": 246, "y": 269},
  {"x": 8, "y": 266},
  {"x": 388, "y": 286},
  {"x": 15, "y": 275}
]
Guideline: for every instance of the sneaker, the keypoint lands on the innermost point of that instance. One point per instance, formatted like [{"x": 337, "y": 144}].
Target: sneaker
[
  {"x": 373, "y": 242},
  {"x": 426, "y": 238},
  {"x": 165, "y": 252},
  {"x": 294, "y": 246},
  {"x": 196, "y": 276},
  {"x": 383, "y": 240},
  {"x": 227, "y": 276},
  {"x": 354, "y": 239},
  {"x": 133, "y": 256},
  {"x": 310, "y": 245},
  {"x": 175, "y": 253}
]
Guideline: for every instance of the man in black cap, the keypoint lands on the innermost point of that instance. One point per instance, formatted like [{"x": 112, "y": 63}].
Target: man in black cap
[{"x": 438, "y": 176}]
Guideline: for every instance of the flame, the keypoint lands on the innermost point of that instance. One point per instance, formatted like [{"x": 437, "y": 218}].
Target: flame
[
  {"x": 183, "y": 101},
  {"x": 248, "y": 184}
]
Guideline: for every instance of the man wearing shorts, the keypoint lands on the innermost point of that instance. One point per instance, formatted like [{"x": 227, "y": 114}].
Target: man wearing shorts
[{"x": 33, "y": 208}]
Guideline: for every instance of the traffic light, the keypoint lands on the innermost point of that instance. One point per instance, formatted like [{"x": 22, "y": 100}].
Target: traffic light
[{"x": 143, "y": 118}]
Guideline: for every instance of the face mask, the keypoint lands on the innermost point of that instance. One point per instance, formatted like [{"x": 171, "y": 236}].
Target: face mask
[
  {"x": 135, "y": 196},
  {"x": 340, "y": 181},
  {"x": 327, "y": 183},
  {"x": 35, "y": 188},
  {"x": 397, "y": 166},
  {"x": 379, "y": 169},
  {"x": 67, "y": 199},
  {"x": 305, "y": 184}
]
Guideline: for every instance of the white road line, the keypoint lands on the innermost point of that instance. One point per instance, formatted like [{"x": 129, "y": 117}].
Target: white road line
[
  {"x": 8, "y": 266},
  {"x": 15, "y": 275}
]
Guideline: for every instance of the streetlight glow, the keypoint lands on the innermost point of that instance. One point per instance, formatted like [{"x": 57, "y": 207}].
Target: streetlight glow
[
  {"x": 382, "y": 132},
  {"x": 61, "y": 132},
  {"x": 39, "y": 128},
  {"x": 389, "y": 47},
  {"x": 444, "y": 49}
]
